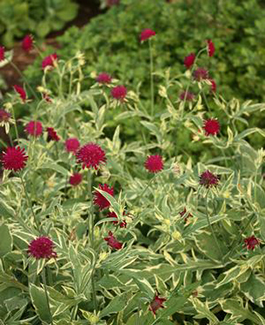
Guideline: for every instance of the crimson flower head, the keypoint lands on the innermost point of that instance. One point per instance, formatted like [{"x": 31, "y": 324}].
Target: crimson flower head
[
  {"x": 72, "y": 145},
  {"x": 42, "y": 247},
  {"x": 21, "y": 92},
  {"x": 156, "y": 304},
  {"x": 52, "y": 135},
  {"x": 27, "y": 43},
  {"x": 200, "y": 74},
  {"x": 154, "y": 163},
  {"x": 49, "y": 61},
  {"x": 34, "y": 128},
  {"x": 211, "y": 127},
  {"x": 46, "y": 97},
  {"x": 2, "y": 53},
  {"x": 183, "y": 213},
  {"x": 210, "y": 48},
  {"x": 104, "y": 78},
  {"x": 112, "y": 241},
  {"x": 189, "y": 60},
  {"x": 213, "y": 85},
  {"x": 208, "y": 179},
  {"x": 186, "y": 95},
  {"x": 123, "y": 224},
  {"x": 75, "y": 179},
  {"x": 146, "y": 34},
  {"x": 100, "y": 200},
  {"x": 14, "y": 158},
  {"x": 251, "y": 242},
  {"x": 119, "y": 93},
  {"x": 4, "y": 116},
  {"x": 91, "y": 156}
]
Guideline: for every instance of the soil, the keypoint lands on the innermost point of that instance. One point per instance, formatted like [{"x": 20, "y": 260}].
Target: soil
[{"x": 87, "y": 10}]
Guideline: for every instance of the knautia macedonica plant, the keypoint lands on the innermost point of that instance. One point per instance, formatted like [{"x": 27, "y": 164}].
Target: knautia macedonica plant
[{"x": 102, "y": 227}]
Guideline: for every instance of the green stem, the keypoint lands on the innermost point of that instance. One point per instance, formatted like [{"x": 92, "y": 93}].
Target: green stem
[
  {"x": 148, "y": 184},
  {"x": 15, "y": 122},
  {"x": 206, "y": 101},
  {"x": 188, "y": 87},
  {"x": 3, "y": 143},
  {"x": 91, "y": 232},
  {"x": 211, "y": 227},
  {"x": 151, "y": 77},
  {"x": 43, "y": 275},
  {"x": 29, "y": 202},
  {"x": 25, "y": 80}
]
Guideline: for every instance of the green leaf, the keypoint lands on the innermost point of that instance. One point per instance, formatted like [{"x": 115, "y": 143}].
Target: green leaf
[
  {"x": 204, "y": 312},
  {"x": 254, "y": 289},
  {"x": 43, "y": 28},
  {"x": 6, "y": 241},
  {"x": 116, "y": 305},
  {"x": 57, "y": 168},
  {"x": 144, "y": 287},
  {"x": 236, "y": 308},
  {"x": 39, "y": 302}
]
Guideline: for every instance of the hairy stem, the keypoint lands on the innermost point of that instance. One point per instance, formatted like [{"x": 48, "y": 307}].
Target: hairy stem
[
  {"x": 29, "y": 202},
  {"x": 43, "y": 275},
  {"x": 91, "y": 234},
  {"x": 151, "y": 77},
  {"x": 211, "y": 227}
]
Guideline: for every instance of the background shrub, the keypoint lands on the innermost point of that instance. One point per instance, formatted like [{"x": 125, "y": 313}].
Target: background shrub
[{"x": 39, "y": 17}]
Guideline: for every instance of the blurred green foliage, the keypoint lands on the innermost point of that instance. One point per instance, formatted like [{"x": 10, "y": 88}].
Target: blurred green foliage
[
  {"x": 111, "y": 41},
  {"x": 39, "y": 17}
]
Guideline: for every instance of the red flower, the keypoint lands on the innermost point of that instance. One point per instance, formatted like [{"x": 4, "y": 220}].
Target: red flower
[
  {"x": 211, "y": 126},
  {"x": 189, "y": 60},
  {"x": 2, "y": 53},
  {"x": 21, "y": 92},
  {"x": 183, "y": 213},
  {"x": 14, "y": 158},
  {"x": 200, "y": 74},
  {"x": 104, "y": 78},
  {"x": 146, "y": 34},
  {"x": 119, "y": 93},
  {"x": 154, "y": 163},
  {"x": 49, "y": 61},
  {"x": 208, "y": 179},
  {"x": 34, "y": 128},
  {"x": 72, "y": 144},
  {"x": 210, "y": 48},
  {"x": 112, "y": 241},
  {"x": 27, "y": 43},
  {"x": 52, "y": 135},
  {"x": 42, "y": 247},
  {"x": 156, "y": 304},
  {"x": 100, "y": 200},
  {"x": 47, "y": 98},
  {"x": 91, "y": 155},
  {"x": 186, "y": 95},
  {"x": 75, "y": 179},
  {"x": 251, "y": 242},
  {"x": 4, "y": 116},
  {"x": 123, "y": 224},
  {"x": 213, "y": 85}
]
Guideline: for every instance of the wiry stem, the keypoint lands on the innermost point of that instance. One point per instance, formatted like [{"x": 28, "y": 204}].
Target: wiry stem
[
  {"x": 151, "y": 78},
  {"x": 21, "y": 75},
  {"x": 211, "y": 227},
  {"x": 29, "y": 202},
  {"x": 43, "y": 275},
  {"x": 91, "y": 233}
]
